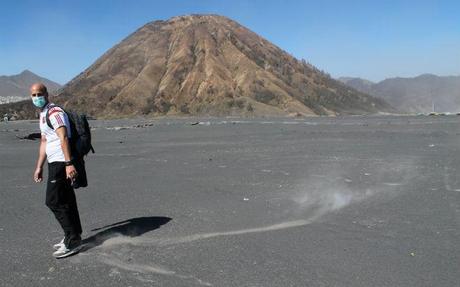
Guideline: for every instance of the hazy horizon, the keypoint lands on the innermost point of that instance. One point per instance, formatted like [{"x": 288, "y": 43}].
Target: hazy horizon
[{"x": 409, "y": 77}]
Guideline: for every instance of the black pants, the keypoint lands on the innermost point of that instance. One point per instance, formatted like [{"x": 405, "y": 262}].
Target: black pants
[{"x": 60, "y": 198}]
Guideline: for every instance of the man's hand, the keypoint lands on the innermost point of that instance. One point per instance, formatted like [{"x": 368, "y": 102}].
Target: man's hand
[
  {"x": 71, "y": 172},
  {"x": 38, "y": 174}
]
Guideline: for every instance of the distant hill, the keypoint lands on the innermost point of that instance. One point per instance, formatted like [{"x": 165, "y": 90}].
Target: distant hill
[
  {"x": 414, "y": 95},
  {"x": 359, "y": 84},
  {"x": 16, "y": 88},
  {"x": 206, "y": 65}
]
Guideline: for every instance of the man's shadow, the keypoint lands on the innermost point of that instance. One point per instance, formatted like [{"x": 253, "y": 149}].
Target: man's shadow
[{"x": 131, "y": 227}]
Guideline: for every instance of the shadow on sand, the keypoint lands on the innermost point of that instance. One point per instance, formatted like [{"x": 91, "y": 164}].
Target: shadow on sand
[{"x": 131, "y": 227}]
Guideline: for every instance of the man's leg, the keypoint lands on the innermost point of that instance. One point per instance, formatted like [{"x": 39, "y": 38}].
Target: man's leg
[
  {"x": 73, "y": 212},
  {"x": 81, "y": 182},
  {"x": 60, "y": 198}
]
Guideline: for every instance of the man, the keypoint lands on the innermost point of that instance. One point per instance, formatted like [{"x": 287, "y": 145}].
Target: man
[{"x": 55, "y": 147}]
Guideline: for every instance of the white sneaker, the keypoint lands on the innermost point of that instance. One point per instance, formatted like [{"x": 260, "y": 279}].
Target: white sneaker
[
  {"x": 66, "y": 252},
  {"x": 57, "y": 246}
]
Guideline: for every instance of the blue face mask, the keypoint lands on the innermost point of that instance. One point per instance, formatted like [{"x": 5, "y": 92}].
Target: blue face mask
[{"x": 39, "y": 102}]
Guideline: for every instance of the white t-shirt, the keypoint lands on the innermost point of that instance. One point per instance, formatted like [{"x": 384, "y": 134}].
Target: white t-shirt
[{"x": 58, "y": 118}]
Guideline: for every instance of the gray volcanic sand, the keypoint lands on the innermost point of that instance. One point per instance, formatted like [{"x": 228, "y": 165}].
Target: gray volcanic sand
[{"x": 349, "y": 201}]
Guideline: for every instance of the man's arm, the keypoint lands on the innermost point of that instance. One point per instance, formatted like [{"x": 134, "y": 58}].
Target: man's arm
[
  {"x": 38, "y": 174},
  {"x": 70, "y": 170}
]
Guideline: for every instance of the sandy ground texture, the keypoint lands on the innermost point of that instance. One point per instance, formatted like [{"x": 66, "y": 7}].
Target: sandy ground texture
[{"x": 349, "y": 201}]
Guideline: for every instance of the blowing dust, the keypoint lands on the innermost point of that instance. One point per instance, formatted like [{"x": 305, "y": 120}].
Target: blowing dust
[
  {"x": 318, "y": 195},
  {"x": 113, "y": 261},
  {"x": 313, "y": 198}
]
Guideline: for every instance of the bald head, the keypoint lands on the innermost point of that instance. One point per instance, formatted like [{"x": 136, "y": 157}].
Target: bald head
[
  {"x": 38, "y": 88},
  {"x": 39, "y": 95}
]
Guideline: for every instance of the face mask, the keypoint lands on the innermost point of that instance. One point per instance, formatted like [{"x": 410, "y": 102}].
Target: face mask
[{"x": 39, "y": 102}]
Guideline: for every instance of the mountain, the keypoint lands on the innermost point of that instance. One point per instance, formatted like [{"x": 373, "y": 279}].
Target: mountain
[
  {"x": 359, "y": 84},
  {"x": 16, "y": 88},
  {"x": 207, "y": 65},
  {"x": 414, "y": 95}
]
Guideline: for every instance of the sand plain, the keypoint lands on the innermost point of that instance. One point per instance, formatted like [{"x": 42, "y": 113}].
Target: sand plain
[{"x": 353, "y": 201}]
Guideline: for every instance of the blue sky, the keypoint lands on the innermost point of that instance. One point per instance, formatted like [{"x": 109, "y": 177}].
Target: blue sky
[{"x": 369, "y": 39}]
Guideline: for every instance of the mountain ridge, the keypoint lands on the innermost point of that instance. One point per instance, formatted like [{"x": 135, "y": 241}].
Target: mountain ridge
[
  {"x": 207, "y": 65},
  {"x": 15, "y": 88},
  {"x": 424, "y": 93}
]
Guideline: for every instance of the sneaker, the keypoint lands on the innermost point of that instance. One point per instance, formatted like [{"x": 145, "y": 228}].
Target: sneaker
[
  {"x": 58, "y": 246},
  {"x": 66, "y": 252}
]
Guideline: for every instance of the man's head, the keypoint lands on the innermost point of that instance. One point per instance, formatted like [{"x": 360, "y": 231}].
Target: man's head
[{"x": 39, "y": 95}]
